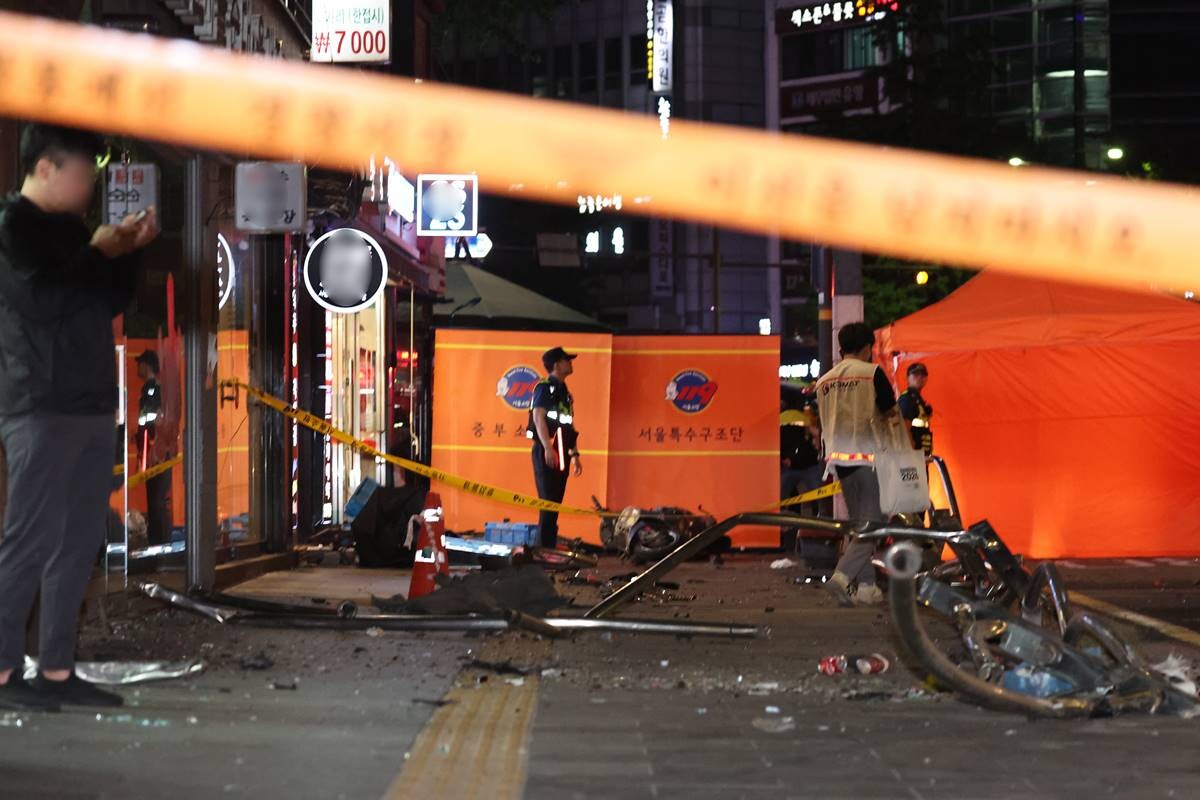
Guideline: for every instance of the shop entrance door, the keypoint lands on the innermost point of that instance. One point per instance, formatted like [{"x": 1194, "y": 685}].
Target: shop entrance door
[{"x": 356, "y": 373}]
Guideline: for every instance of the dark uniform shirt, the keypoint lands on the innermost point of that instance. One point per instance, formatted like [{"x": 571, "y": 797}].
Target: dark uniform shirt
[
  {"x": 914, "y": 409},
  {"x": 552, "y": 395}
]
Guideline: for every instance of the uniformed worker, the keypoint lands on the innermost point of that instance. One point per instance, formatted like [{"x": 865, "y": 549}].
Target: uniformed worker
[
  {"x": 552, "y": 428},
  {"x": 916, "y": 411},
  {"x": 158, "y": 510}
]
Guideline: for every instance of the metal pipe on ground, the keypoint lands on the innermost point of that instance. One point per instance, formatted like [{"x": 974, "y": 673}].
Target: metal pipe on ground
[
  {"x": 465, "y": 622},
  {"x": 701, "y": 542}
]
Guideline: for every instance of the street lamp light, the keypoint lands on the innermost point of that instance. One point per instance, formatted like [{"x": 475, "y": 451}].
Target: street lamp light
[
  {"x": 1115, "y": 154},
  {"x": 1016, "y": 161},
  {"x": 922, "y": 278}
]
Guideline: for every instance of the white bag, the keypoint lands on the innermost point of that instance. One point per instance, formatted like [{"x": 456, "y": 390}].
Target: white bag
[{"x": 903, "y": 480}]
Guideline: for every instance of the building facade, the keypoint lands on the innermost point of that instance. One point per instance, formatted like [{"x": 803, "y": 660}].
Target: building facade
[{"x": 680, "y": 59}]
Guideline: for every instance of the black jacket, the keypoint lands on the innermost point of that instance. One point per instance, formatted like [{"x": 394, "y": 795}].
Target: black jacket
[{"x": 58, "y": 296}]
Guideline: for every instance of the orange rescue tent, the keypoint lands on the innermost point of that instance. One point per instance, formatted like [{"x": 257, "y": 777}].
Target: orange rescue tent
[{"x": 1069, "y": 415}]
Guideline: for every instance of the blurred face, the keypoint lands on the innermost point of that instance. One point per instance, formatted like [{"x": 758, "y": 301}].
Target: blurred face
[
  {"x": 144, "y": 373},
  {"x": 346, "y": 269},
  {"x": 67, "y": 182},
  {"x": 564, "y": 368},
  {"x": 917, "y": 380}
]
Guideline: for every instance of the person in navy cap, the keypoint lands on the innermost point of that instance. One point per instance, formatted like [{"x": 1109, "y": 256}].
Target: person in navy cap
[{"x": 552, "y": 428}]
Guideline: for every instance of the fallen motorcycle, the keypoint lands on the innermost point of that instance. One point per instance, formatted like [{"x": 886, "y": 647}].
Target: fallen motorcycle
[{"x": 645, "y": 535}]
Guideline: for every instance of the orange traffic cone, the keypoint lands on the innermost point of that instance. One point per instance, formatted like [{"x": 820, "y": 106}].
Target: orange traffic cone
[{"x": 430, "y": 559}]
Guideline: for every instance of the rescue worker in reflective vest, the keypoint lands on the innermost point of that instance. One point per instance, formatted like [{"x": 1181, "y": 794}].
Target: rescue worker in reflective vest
[
  {"x": 916, "y": 411},
  {"x": 158, "y": 488},
  {"x": 552, "y": 428},
  {"x": 856, "y": 403}
]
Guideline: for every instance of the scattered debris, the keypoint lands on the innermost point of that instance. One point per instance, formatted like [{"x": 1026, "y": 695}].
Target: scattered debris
[
  {"x": 872, "y": 664},
  {"x": 815, "y": 579},
  {"x": 526, "y": 589},
  {"x": 498, "y": 667},
  {"x": 125, "y": 673},
  {"x": 772, "y": 709},
  {"x": 764, "y": 688},
  {"x": 515, "y": 681},
  {"x": 775, "y": 724},
  {"x": 1181, "y": 673},
  {"x": 259, "y": 662},
  {"x": 421, "y": 701},
  {"x": 374, "y": 632},
  {"x": 552, "y": 672},
  {"x": 782, "y": 563},
  {"x": 284, "y": 687}
]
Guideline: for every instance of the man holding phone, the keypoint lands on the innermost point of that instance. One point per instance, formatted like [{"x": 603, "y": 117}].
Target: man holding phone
[{"x": 60, "y": 287}]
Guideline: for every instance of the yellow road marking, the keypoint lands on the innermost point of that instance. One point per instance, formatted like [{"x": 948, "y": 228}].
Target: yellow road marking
[
  {"x": 1159, "y": 626},
  {"x": 476, "y": 746}
]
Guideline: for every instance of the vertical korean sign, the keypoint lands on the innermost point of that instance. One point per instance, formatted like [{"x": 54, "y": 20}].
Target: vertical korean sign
[
  {"x": 662, "y": 267},
  {"x": 351, "y": 31},
  {"x": 662, "y": 43}
]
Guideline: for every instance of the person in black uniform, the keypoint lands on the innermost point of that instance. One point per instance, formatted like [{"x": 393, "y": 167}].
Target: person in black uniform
[
  {"x": 552, "y": 428},
  {"x": 916, "y": 411},
  {"x": 158, "y": 488}
]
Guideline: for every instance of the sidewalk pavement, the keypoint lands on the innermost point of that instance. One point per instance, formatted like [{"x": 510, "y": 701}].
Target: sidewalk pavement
[{"x": 596, "y": 716}]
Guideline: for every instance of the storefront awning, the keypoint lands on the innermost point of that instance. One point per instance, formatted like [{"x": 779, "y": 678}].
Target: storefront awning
[{"x": 478, "y": 299}]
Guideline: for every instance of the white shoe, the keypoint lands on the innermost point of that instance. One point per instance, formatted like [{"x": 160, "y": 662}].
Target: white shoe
[
  {"x": 868, "y": 595},
  {"x": 838, "y": 586}
]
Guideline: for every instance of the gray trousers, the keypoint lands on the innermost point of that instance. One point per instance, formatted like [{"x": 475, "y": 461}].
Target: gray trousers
[
  {"x": 861, "y": 490},
  {"x": 59, "y": 477}
]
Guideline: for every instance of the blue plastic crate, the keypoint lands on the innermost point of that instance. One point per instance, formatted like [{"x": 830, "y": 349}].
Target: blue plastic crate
[{"x": 520, "y": 534}]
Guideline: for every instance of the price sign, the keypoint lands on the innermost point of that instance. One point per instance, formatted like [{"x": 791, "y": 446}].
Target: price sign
[{"x": 351, "y": 31}]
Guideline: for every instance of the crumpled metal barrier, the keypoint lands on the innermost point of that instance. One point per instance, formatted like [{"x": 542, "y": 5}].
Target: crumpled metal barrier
[
  {"x": 298, "y": 618},
  {"x": 1062, "y": 677},
  {"x": 125, "y": 673}
]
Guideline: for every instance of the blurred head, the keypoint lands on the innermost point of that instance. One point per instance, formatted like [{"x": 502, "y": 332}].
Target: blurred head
[
  {"x": 60, "y": 167},
  {"x": 857, "y": 340},
  {"x": 345, "y": 268},
  {"x": 918, "y": 376},
  {"x": 147, "y": 365}
]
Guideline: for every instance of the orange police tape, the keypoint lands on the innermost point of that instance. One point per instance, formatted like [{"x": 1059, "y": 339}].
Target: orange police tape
[
  {"x": 315, "y": 423},
  {"x": 137, "y": 479},
  {"x": 1049, "y": 223}
]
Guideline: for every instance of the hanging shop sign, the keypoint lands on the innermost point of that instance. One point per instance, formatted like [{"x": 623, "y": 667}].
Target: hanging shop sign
[
  {"x": 270, "y": 196},
  {"x": 660, "y": 44},
  {"x": 345, "y": 270},
  {"x": 840, "y": 95},
  {"x": 351, "y": 31},
  {"x": 447, "y": 205},
  {"x": 129, "y": 188}
]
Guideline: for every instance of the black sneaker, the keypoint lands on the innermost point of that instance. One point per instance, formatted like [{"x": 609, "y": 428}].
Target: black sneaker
[
  {"x": 17, "y": 695},
  {"x": 75, "y": 691}
]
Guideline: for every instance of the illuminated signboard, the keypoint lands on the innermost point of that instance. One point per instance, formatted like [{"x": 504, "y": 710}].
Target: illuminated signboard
[
  {"x": 811, "y": 16},
  {"x": 447, "y": 205},
  {"x": 660, "y": 44}
]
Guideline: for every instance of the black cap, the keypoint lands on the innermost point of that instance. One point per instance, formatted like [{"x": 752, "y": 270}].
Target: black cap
[
  {"x": 917, "y": 369},
  {"x": 149, "y": 358},
  {"x": 555, "y": 355}
]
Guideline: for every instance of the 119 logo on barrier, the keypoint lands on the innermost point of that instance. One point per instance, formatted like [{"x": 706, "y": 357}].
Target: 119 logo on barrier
[
  {"x": 515, "y": 387},
  {"x": 691, "y": 391}
]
